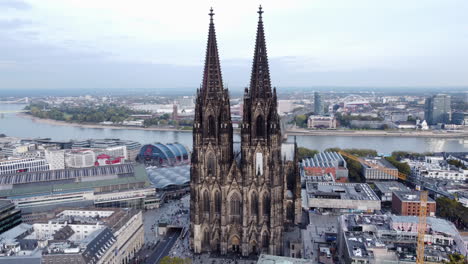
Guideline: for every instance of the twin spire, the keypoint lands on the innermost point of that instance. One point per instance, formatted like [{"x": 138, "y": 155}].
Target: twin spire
[
  {"x": 212, "y": 79},
  {"x": 260, "y": 84}
]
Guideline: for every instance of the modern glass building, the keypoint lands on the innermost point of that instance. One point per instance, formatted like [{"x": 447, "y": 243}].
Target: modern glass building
[
  {"x": 318, "y": 104},
  {"x": 9, "y": 215},
  {"x": 438, "y": 109},
  {"x": 164, "y": 154}
]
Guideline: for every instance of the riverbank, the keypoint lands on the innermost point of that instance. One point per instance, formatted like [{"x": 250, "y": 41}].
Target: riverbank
[
  {"x": 87, "y": 125},
  {"x": 379, "y": 133},
  {"x": 291, "y": 132}
]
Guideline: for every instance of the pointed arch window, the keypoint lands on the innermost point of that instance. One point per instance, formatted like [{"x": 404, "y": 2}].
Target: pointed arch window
[
  {"x": 211, "y": 165},
  {"x": 217, "y": 202},
  {"x": 254, "y": 204},
  {"x": 260, "y": 126},
  {"x": 206, "y": 238},
  {"x": 266, "y": 205},
  {"x": 206, "y": 202},
  {"x": 211, "y": 126},
  {"x": 265, "y": 240},
  {"x": 235, "y": 205},
  {"x": 235, "y": 209},
  {"x": 290, "y": 212}
]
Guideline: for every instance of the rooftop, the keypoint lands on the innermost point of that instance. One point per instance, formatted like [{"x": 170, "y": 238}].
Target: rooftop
[
  {"x": 169, "y": 176},
  {"x": 58, "y": 181},
  {"x": 411, "y": 196},
  {"x": 270, "y": 259},
  {"x": 390, "y": 186},
  {"x": 343, "y": 191},
  {"x": 376, "y": 162}
]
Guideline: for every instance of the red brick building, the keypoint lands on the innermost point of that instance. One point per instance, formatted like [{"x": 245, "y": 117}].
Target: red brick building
[{"x": 408, "y": 203}]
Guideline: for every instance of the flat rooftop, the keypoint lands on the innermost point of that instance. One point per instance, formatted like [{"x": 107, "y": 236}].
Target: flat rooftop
[
  {"x": 342, "y": 191},
  {"x": 411, "y": 196},
  {"x": 378, "y": 162},
  {"x": 390, "y": 186}
]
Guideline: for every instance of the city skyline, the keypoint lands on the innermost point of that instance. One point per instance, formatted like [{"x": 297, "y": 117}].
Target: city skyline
[{"x": 58, "y": 45}]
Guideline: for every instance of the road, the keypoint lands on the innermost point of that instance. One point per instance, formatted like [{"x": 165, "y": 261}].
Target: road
[{"x": 163, "y": 247}]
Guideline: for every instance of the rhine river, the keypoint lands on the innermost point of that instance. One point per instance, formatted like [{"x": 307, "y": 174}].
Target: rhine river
[{"x": 16, "y": 126}]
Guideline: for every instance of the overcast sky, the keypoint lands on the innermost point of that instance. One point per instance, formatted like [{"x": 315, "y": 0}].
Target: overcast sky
[{"x": 93, "y": 44}]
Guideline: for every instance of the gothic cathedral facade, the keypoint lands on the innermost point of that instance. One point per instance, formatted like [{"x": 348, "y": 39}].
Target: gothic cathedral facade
[{"x": 242, "y": 199}]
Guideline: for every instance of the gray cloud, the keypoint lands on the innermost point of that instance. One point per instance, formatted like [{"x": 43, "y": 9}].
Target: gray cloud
[{"x": 14, "y": 4}]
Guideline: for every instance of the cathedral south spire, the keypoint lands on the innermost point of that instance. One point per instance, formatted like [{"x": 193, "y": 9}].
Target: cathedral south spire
[
  {"x": 212, "y": 79},
  {"x": 260, "y": 83}
]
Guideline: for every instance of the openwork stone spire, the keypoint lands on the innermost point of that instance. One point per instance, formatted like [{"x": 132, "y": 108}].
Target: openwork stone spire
[
  {"x": 260, "y": 84},
  {"x": 212, "y": 79}
]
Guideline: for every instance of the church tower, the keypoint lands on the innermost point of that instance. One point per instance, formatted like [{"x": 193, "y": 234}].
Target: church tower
[
  {"x": 212, "y": 152},
  {"x": 261, "y": 164},
  {"x": 241, "y": 201}
]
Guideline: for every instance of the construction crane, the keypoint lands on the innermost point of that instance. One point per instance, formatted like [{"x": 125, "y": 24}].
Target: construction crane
[
  {"x": 421, "y": 227},
  {"x": 423, "y": 196}
]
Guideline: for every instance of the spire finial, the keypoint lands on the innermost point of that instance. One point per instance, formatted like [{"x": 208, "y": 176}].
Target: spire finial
[
  {"x": 211, "y": 14},
  {"x": 260, "y": 12}
]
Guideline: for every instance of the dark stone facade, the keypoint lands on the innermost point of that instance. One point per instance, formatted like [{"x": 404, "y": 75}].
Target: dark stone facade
[{"x": 241, "y": 202}]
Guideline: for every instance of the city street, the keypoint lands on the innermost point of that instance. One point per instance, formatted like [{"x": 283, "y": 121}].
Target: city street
[{"x": 163, "y": 248}]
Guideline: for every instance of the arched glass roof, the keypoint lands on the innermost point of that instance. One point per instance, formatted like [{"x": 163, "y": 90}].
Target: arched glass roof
[
  {"x": 164, "y": 177},
  {"x": 165, "y": 151}
]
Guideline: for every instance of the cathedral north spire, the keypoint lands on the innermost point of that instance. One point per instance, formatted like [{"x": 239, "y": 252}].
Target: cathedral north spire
[
  {"x": 212, "y": 78},
  {"x": 260, "y": 84}
]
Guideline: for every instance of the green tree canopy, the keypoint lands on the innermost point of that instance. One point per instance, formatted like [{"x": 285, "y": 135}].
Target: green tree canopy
[{"x": 305, "y": 152}]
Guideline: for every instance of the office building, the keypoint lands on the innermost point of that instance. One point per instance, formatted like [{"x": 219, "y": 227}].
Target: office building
[
  {"x": 9, "y": 215},
  {"x": 325, "y": 122},
  {"x": 80, "y": 158},
  {"x": 385, "y": 189},
  {"x": 460, "y": 118},
  {"x": 378, "y": 168},
  {"x": 368, "y": 239},
  {"x": 82, "y": 236},
  {"x": 18, "y": 165},
  {"x": 318, "y": 104},
  {"x": 438, "y": 109},
  {"x": 409, "y": 202},
  {"x": 133, "y": 147},
  {"x": 341, "y": 197}
]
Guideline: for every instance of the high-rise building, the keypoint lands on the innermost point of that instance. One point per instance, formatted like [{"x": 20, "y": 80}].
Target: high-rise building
[
  {"x": 242, "y": 197},
  {"x": 318, "y": 104},
  {"x": 9, "y": 215},
  {"x": 438, "y": 109}
]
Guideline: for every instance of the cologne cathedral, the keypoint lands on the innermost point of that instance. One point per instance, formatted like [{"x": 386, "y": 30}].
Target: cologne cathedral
[{"x": 245, "y": 195}]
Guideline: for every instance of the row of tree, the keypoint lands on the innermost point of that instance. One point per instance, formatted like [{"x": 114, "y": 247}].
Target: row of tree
[
  {"x": 453, "y": 211},
  {"x": 165, "y": 120},
  {"x": 82, "y": 114}
]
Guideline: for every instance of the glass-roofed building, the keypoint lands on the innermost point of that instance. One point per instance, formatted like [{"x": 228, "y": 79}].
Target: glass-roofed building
[{"x": 163, "y": 155}]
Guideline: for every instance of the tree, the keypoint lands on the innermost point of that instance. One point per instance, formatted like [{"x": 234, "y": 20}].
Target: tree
[
  {"x": 175, "y": 260},
  {"x": 456, "y": 258},
  {"x": 453, "y": 211},
  {"x": 301, "y": 121},
  {"x": 356, "y": 152},
  {"x": 305, "y": 152},
  {"x": 398, "y": 155},
  {"x": 457, "y": 164},
  {"x": 402, "y": 167}
]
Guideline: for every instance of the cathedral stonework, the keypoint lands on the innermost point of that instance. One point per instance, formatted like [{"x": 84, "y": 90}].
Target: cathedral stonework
[{"x": 241, "y": 200}]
